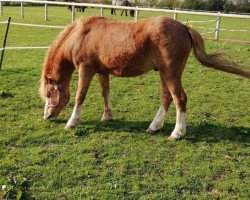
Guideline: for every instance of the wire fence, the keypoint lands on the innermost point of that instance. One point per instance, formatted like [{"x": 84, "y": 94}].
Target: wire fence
[
  {"x": 29, "y": 25},
  {"x": 37, "y": 25}
]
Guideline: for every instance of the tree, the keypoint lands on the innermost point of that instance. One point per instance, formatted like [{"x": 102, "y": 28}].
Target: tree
[
  {"x": 215, "y": 5},
  {"x": 242, "y": 5},
  {"x": 169, "y": 4},
  {"x": 193, "y": 4}
]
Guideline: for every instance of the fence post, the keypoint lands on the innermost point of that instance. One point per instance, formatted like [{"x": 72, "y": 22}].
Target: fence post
[
  {"x": 175, "y": 15},
  {"x": 217, "y": 29},
  {"x": 73, "y": 13},
  {"x": 1, "y": 9},
  {"x": 46, "y": 11},
  {"x": 4, "y": 42},
  {"x": 101, "y": 10},
  {"x": 136, "y": 13},
  {"x": 22, "y": 16}
]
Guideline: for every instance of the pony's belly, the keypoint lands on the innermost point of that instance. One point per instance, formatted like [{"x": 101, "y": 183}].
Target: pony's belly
[
  {"x": 118, "y": 73},
  {"x": 130, "y": 71}
]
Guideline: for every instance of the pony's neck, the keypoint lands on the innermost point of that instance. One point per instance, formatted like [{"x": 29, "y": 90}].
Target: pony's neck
[
  {"x": 58, "y": 68},
  {"x": 60, "y": 72},
  {"x": 58, "y": 64}
]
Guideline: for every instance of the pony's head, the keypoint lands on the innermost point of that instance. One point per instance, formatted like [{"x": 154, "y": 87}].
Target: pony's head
[{"x": 55, "y": 95}]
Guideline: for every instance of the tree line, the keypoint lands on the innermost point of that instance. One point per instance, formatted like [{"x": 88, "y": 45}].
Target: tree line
[{"x": 239, "y": 6}]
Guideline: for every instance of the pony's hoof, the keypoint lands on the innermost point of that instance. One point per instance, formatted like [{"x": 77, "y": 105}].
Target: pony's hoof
[
  {"x": 67, "y": 127},
  {"x": 105, "y": 119},
  {"x": 172, "y": 139},
  {"x": 150, "y": 131}
]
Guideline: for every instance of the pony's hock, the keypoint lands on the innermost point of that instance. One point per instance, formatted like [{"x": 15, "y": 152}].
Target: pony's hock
[{"x": 156, "y": 43}]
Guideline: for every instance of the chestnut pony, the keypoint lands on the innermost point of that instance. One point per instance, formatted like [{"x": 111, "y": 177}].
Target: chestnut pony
[{"x": 102, "y": 46}]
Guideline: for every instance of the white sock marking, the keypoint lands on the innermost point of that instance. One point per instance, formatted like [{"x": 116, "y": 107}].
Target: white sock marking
[
  {"x": 180, "y": 125},
  {"x": 158, "y": 120},
  {"x": 74, "y": 119}
]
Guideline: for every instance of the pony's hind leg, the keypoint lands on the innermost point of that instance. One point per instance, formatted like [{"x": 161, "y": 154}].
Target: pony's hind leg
[
  {"x": 126, "y": 12},
  {"x": 180, "y": 100},
  {"x": 113, "y": 12},
  {"x": 158, "y": 120},
  {"x": 85, "y": 76},
  {"x": 104, "y": 81}
]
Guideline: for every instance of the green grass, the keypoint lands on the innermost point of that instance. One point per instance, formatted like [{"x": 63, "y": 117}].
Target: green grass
[{"x": 118, "y": 159}]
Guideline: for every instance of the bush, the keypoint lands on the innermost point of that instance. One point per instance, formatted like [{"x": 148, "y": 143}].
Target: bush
[
  {"x": 193, "y": 4},
  {"x": 215, "y": 5},
  {"x": 169, "y": 4}
]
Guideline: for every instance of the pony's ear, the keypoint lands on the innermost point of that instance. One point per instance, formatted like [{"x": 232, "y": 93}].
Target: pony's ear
[{"x": 48, "y": 80}]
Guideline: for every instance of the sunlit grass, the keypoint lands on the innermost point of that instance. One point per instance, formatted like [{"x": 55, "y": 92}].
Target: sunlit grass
[{"x": 118, "y": 159}]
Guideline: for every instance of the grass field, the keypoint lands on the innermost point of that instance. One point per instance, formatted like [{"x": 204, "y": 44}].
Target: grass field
[{"x": 119, "y": 159}]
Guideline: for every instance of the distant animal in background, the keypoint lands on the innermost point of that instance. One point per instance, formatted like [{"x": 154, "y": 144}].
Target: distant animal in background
[
  {"x": 132, "y": 12},
  {"x": 122, "y": 3},
  {"x": 78, "y": 8}
]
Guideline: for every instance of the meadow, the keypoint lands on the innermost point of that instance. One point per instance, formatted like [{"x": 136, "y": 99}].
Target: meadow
[{"x": 119, "y": 159}]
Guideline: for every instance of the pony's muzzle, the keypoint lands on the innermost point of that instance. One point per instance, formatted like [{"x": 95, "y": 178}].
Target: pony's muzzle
[{"x": 47, "y": 116}]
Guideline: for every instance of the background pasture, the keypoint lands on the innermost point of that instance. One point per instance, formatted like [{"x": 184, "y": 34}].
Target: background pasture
[{"x": 118, "y": 159}]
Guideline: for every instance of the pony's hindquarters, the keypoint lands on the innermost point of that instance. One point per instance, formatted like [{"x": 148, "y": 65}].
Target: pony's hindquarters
[
  {"x": 170, "y": 59},
  {"x": 170, "y": 56}
]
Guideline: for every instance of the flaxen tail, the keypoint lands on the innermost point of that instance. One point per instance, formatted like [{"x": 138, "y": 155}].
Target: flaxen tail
[{"x": 216, "y": 60}]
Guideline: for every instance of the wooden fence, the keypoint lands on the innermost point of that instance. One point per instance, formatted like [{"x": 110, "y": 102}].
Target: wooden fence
[{"x": 136, "y": 9}]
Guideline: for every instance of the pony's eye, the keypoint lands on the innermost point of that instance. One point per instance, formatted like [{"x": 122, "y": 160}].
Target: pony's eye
[{"x": 48, "y": 94}]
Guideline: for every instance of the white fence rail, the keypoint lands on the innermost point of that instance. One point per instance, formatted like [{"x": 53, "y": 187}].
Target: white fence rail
[{"x": 136, "y": 9}]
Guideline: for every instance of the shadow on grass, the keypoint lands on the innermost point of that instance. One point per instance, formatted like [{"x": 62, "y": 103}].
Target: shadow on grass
[
  {"x": 195, "y": 133},
  {"x": 215, "y": 133},
  {"x": 5, "y": 95}
]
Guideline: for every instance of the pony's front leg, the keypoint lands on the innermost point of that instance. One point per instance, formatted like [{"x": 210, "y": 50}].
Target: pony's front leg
[
  {"x": 85, "y": 76},
  {"x": 104, "y": 81}
]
